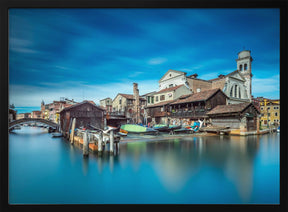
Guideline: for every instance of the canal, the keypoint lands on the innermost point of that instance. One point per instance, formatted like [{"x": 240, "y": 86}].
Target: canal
[{"x": 186, "y": 170}]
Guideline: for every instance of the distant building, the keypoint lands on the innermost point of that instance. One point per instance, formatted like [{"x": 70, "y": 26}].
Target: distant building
[
  {"x": 270, "y": 111},
  {"x": 12, "y": 115},
  {"x": 123, "y": 104},
  {"x": 36, "y": 114},
  {"x": 51, "y": 111},
  {"x": 23, "y": 115},
  {"x": 106, "y": 104},
  {"x": 86, "y": 114}
]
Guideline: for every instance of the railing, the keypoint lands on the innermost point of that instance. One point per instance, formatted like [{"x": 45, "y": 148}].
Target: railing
[
  {"x": 195, "y": 113},
  {"x": 116, "y": 113}
]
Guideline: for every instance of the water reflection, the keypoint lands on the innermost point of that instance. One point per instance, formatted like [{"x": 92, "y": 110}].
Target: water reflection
[
  {"x": 208, "y": 169},
  {"x": 177, "y": 161}
]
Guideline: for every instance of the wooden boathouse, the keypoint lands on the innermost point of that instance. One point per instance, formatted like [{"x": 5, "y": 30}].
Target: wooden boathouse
[
  {"x": 86, "y": 113},
  {"x": 188, "y": 107},
  {"x": 240, "y": 118}
]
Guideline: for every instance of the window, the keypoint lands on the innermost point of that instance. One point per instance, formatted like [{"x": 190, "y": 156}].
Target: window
[
  {"x": 261, "y": 108},
  {"x": 276, "y": 114},
  {"x": 239, "y": 94},
  {"x": 275, "y": 108},
  {"x": 152, "y": 99},
  {"x": 156, "y": 98},
  {"x": 235, "y": 91},
  {"x": 171, "y": 85},
  {"x": 198, "y": 90},
  {"x": 245, "y": 66},
  {"x": 148, "y": 99},
  {"x": 120, "y": 101},
  {"x": 241, "y": 68},
  {"x": 162, "y": 97},
  {"x": 231, "y": 92}
]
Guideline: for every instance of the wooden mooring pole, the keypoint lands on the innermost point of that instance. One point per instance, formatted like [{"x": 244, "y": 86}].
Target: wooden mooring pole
[
  {"x": 100, "y": 140},
  {"x": 111, "y": 142},
  {"x": 85, "y": 144},
  {"x": 72, "y": 131}
]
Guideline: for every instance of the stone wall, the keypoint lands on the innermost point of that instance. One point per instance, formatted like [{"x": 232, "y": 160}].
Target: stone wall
[
  {"x": 219, "y": 83},
  {"x": 198, "y": 83}
]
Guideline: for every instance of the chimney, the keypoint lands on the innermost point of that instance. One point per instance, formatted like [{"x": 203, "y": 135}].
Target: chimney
[
  {"x": 136, "y": 103},
  {"x": 221, "y": 76}
]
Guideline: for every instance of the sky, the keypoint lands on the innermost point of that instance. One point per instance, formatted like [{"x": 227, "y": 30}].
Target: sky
[{"x": 91, "y": 54}]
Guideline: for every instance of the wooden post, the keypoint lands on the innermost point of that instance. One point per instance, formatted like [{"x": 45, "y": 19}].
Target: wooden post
[
  {"x": 117, "y": 147},
  {"x": 111, "y": 141},
  {"x": 85, "y": 144},
  {"x": 70, "y": 123},
  {"x": 100, "y": 139},
  {"x": 258, "y": 125},
  {"x": 72, "y": 131}
]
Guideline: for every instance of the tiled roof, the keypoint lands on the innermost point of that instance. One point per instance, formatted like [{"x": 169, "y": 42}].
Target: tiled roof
[
  {"x": 223, "y": 76},
  {"x": 219, "y": 109},
  {"x": 161, "y": 103},
  {"x": 130, "y": 96},
  {"x": 169, "y": 89},
  {"x": 80, "y": 103},
  {"x": 196, "y": 97}
]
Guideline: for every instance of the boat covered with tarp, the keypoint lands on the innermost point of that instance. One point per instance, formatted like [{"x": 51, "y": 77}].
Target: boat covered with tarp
[
  {"x": 134, "y": 128},
  {"x": 165, "y": 127},
  {"x": 161, "y": 127}
]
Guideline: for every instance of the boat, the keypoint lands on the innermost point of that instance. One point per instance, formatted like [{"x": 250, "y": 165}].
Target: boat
[
  {"x": 51, "y": 129},
  {"x": 174, "y": 127},
  {"x": 17, "y": 127},
  {"x": 55, "y": 135},
  {"x": 161, "y": 127},
  {"x": 134, "y": 128},
  {"x": 278, "y": 129}
]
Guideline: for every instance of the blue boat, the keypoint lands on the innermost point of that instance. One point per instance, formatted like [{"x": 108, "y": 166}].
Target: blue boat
[{"x": 278, "y": 129}]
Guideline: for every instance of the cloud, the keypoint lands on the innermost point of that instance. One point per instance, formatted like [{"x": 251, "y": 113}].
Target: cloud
[
  {"x": 157, "y": 61},
  {"x": 267, "y": 87},
  {"x": 77, "y": 90}
]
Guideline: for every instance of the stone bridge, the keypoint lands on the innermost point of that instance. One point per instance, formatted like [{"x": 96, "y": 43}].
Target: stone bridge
[{"x": 27, "y": 120}]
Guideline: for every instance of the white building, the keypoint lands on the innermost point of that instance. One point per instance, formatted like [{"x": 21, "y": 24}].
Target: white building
[{"x": 236, "y": 85}]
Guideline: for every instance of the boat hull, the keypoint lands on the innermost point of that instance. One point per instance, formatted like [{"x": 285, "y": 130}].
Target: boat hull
[{"x": 137, "y": 129}]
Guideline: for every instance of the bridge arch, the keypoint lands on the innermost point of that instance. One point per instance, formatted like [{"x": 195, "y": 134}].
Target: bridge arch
[{"x": 27, "y": 120}]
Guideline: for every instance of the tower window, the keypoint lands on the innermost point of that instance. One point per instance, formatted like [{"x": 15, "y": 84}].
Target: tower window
[
  {"x": 245, "y": 66},
  {"x": 241, "y": 68}
]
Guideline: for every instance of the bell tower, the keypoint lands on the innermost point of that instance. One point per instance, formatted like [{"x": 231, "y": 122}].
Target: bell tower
[{"x": 244, "y": 62}]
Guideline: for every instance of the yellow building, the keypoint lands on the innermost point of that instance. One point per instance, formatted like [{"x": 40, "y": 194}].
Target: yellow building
[{"x": 270, "y": 112}]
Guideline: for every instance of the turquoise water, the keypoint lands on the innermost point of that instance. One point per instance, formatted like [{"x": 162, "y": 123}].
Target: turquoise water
[{"x": 190, "y": 170}]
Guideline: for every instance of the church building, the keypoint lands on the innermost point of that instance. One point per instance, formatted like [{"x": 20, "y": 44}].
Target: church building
[{"x": 236, "y": 85}]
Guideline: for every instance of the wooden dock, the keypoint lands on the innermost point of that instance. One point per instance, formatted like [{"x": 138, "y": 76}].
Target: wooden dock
[{"x": 217, "y": 130}]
